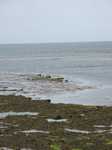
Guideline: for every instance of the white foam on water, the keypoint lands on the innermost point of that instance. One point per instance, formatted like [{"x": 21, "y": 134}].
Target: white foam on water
[
  {"x": 84, "y": 131},
  {"x": 25, "y": 149},
  {"x": 34, "y": 131},
  {"x": 6, "y": 114},
  {"x": 57, "y": 120},
  {"x": 77, "y": 131},
  {"x": 5, "y": 148},
  {"x": 100, "y": 126},
  {"x": 100, "y": 131}
]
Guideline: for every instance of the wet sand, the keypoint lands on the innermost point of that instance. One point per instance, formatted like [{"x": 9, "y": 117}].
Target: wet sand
[{"x": 41, "y": 125}]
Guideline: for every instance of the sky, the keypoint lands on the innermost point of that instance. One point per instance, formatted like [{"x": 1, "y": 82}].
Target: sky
[{"x": 43, "y": 21}]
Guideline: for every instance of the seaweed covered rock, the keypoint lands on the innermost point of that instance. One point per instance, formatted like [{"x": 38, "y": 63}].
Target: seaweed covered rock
[
  {"x": 58, "y": 117},
  {"x": 46, "y": 77}
]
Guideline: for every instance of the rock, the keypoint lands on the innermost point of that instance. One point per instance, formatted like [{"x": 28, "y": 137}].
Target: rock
[
  {"x": 48, "y": 100},
  {"x": 66, "y": 81},
  {"x": 39, "y": 75},
  {"x": 48, "y": 76},
  {"x": 58, "y": 117}
]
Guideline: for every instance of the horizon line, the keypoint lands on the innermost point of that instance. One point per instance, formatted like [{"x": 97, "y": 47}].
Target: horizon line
[{"x": 39, "y": 43}]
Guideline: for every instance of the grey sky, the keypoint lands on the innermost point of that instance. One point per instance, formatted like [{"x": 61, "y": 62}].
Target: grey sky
[{"x": 55, "y": 20}]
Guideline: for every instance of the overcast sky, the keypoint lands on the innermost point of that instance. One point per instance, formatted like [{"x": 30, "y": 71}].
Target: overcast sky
[{"x": 37, "y": 21}]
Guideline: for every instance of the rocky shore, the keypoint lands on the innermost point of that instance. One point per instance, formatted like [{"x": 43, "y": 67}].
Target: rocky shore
[{"x": 41, "y": 125}]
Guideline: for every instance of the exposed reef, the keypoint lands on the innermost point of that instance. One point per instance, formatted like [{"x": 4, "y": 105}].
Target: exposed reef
[
  {"x": 42, "y": 125},
  {"x": 46, "y": 77}
]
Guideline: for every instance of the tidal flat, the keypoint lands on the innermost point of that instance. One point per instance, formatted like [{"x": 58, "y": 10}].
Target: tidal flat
[{"x": 41, "y": 125}]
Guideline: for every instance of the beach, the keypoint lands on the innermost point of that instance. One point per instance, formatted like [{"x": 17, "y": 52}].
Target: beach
[{"x": 28, "y": 124}]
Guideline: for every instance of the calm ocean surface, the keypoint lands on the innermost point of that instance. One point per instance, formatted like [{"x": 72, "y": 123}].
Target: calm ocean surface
[{"x": 81, "y": 63}]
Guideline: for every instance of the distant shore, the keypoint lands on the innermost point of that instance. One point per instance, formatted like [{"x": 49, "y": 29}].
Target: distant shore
[{"x": 41, "y": 125}]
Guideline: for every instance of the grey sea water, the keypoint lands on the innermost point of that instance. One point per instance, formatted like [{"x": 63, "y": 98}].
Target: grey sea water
[{"x": 81, "y": 63}]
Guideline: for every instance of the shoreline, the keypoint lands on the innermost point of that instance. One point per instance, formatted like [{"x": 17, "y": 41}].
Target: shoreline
[
  {"x": 70, "y": 90},
  {"x": 42, "y": 125}
]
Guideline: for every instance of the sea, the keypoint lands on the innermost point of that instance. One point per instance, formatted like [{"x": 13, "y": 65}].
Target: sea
[{"x": 83, "y": 64}]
